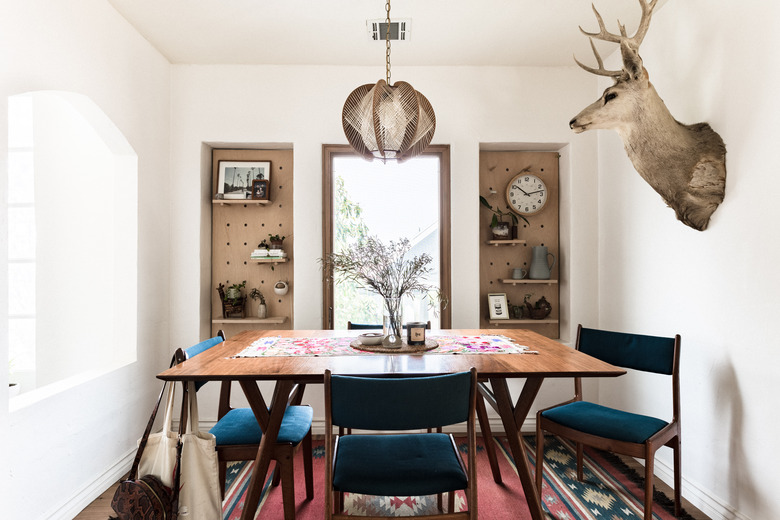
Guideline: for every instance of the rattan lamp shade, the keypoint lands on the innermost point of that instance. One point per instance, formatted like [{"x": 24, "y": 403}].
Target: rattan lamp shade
[{"x": 388, "y": 122}]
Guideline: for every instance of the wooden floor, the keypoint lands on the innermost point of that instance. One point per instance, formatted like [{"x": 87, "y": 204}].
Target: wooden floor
[{"x": 100, "y": 509}]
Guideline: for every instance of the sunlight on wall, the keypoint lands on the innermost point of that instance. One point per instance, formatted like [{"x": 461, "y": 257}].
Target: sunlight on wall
[{"x": 72, "y": 241}]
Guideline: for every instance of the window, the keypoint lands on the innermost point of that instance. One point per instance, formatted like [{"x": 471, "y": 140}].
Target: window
[
  {"x": 391, "y": 201},
  {"x": 72, "y": 240}
]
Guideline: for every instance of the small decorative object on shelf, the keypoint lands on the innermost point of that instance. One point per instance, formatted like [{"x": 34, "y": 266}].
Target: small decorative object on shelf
[
  {"x": 497, "y": 306},
  {"x": 232, "y": 300},
  {"x": 500, "y": 228},
  {"x": 518, "y": 273},
  {"x": 415, "y": 333},
  {"x": 262, "y": 309},
  {"x": 539, "y": 310},
  {"x": 281, "y": 287},
  {"x": 516, "y": 312},
  {"x": 540, "y": 266}
]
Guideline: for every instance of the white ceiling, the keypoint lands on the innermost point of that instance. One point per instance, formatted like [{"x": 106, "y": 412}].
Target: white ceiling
[{"x": 333, "y": 32}]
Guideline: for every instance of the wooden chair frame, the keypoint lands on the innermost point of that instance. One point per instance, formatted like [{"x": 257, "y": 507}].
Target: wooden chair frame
[
  {"x": 335, "y": 499},
  {"x": 669, "y": 436}
]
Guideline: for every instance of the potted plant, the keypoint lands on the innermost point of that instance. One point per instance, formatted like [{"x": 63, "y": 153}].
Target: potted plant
[
  {"x": 276, "y": 240},
  {"x": 232, "y": 300},
  {"x": 262, "y": 310},
  {"x": 497, "y": 225},
  {"x": 385, "y": 270}
]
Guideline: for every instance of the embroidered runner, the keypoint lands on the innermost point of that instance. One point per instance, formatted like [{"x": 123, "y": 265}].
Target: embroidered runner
[{"x": 279, "y": 346}]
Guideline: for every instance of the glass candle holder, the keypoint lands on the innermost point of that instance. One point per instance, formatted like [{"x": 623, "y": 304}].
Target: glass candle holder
[{"x": 415, "y": 333}]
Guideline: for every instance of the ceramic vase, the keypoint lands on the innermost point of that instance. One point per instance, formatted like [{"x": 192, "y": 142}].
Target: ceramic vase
[{"x": 262, "y": 311}]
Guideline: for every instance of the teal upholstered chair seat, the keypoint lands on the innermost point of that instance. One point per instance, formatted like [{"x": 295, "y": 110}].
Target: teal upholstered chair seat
[
  {"x": 590, "y": 424},
  {"x": 239, "y": 426},
  {"x": 402, "y": 463},
  {"x": 408, "y": 465},
  {"x": 605, "y": 422}
]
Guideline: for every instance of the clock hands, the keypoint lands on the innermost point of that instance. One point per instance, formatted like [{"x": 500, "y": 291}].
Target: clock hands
[
  {"x": 521, "y": 189},
  {"x": 537, "y": 191}
]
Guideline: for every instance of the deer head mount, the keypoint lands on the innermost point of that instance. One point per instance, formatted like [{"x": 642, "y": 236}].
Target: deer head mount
[{"x": 685, "y": 164}]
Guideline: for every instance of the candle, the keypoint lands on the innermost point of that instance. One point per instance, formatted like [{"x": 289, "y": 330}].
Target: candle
[{"x": 415, "y": 333}]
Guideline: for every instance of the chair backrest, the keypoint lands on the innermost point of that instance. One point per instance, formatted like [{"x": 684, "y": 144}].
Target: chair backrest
[
  {"x": 361, "y": 326},
  {"x": 646, "y": 353},
  {"x": 408, "y": 403},
  {"x": 199, "y": 348}
]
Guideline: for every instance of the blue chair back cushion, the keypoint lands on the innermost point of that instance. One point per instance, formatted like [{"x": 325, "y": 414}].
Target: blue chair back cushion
[
  {"x": 403, "y": 465},
  {"x": 370, "y": 403},
  {"x": 239, "y": 426},
  {"x": 201, "y": 347},
  {"x": 605, "y": 422},
  {"x": 636, "y": 351}
]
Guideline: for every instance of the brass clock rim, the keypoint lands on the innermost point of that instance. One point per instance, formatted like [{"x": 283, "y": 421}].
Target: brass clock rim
[{"x": 509, "y": 185}]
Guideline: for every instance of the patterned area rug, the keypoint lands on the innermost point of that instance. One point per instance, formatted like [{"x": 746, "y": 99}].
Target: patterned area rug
[{"x": 609, "y": 491}]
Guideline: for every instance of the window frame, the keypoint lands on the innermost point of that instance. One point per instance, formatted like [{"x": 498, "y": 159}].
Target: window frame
[{"x": 331, "y": 151}]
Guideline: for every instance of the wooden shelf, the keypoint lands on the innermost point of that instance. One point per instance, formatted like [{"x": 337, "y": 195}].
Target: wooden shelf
[
  {"x": 273, "y": 320},
  {"x": 520, "y": 322},
  {"x": 269, "y": 260},
  {"x": 504, "y": 242},
  {"x": 229, "y": 202},
  {"x": 514, "y": 281}
]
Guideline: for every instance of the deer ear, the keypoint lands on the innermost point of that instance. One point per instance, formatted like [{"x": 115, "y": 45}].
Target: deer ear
[{"x": 632, "y": 62}]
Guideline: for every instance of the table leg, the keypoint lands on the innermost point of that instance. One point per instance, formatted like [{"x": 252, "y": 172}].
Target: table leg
[
  {"x": 513, "y": 416},
  {"x": 263, "y": 459},
  {"x": 487, "y": 436}
]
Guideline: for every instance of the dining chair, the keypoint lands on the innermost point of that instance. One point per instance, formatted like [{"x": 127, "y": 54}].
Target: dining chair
[
  {"x": 238, "y": 434},
  {"x": 375, "y": 462},
  {"x": 617, "y": 431},
  {"x": 369, "y": 326}
]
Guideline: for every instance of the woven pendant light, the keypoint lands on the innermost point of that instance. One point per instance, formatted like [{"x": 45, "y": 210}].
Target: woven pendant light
[{"x": 388, "y": 121}]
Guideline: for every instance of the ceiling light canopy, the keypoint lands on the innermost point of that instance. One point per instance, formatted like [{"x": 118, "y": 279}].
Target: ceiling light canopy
[{"x": 387, "y": 121}]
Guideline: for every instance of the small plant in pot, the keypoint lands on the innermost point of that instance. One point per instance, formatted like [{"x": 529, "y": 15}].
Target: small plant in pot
[
  {"x": 232, "y": 300},
  {"x": 276, "y": 240},
  {"x": 262, "y": 309},
  {"x": 500, "y": 228}
]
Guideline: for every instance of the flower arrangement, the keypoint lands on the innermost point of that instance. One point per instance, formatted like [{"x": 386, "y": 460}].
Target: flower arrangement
[{"x": 385, "y": 270}]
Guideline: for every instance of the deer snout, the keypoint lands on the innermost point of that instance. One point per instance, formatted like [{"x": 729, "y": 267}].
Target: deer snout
[{"x": 577, "y": 127}]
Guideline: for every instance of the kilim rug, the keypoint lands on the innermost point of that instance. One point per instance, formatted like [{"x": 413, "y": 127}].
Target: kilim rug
[{"x": 609, "y": 491}]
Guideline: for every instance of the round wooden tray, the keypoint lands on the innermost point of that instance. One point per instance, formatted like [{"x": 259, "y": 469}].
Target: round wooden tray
[{"x": 403, "y": 349}]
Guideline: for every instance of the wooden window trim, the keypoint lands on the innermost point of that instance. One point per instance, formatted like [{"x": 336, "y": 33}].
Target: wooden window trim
[{"x": 329, "y": 151}]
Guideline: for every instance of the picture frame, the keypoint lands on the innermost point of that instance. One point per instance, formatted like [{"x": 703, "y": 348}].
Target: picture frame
[
  {"x": 260, "y": 189},
  {"x": 497, "y": 306},
  {"x": 235, "y": 179}
]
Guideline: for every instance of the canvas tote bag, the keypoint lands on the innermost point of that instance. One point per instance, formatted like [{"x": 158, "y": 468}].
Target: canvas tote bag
[
  {"x": 199, "y": 496},
  {"x": 159, "y": 456}
]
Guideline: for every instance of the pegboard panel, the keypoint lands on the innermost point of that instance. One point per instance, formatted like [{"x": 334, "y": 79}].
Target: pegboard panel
[
  {"x": 238, "y": 227},
  {"x": 496, "y": 170}
]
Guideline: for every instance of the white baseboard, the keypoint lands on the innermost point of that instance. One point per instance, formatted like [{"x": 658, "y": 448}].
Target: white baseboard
[{"x": 90, "y": 492}]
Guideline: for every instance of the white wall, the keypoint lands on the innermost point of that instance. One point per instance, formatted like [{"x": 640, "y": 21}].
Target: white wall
[
  {"x": 717, "y": 288},
  {"x": 302, "y": 106},
  {"x": 63, "y": 450}
]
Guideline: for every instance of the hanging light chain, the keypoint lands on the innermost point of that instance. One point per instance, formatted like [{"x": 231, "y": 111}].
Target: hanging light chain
[{"x": 387, "y": 43}]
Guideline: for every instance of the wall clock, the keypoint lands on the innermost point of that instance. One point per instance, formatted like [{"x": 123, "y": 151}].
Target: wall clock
[{"x": 526, "y": 194}]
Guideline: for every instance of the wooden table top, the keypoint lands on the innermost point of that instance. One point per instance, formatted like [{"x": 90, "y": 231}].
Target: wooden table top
[{"x": 553, "y": 360}]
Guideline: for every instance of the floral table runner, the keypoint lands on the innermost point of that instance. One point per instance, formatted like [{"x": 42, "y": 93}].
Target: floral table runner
[{"x": 279, "y": 346}]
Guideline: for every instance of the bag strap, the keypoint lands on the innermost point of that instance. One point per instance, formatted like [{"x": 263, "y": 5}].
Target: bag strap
[
  {"x": 149, "y": 425},
  {"x": 179, "y": 444}
]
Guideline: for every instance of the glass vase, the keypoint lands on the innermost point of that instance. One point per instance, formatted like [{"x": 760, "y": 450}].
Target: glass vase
[{"x": 392, "y": 322}]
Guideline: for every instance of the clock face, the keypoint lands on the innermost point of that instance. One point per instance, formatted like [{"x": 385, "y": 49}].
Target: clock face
[{"x": 526, "y": 194}]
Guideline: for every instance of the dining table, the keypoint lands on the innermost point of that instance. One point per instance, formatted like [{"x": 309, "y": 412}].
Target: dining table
[{"x": 300, "y": 357}]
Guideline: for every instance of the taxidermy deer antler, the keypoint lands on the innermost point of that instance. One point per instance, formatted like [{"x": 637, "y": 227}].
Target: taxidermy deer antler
[{"x": 685, "y": 164}]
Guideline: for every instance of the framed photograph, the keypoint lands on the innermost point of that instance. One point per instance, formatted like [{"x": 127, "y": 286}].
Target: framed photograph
[
  {"x": 260, "y": 189},
  {"x": 497, "y": 306},
  {"x": 236, "y": 178}
]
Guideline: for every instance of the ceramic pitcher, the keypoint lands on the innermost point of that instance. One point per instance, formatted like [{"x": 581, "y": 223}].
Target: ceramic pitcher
[{"x": 540, "y": 264}]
